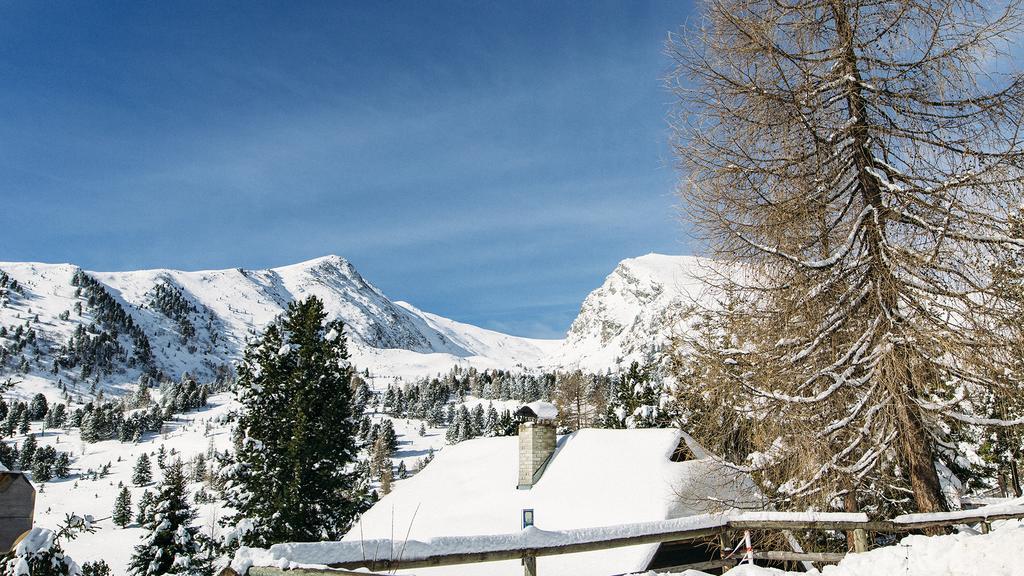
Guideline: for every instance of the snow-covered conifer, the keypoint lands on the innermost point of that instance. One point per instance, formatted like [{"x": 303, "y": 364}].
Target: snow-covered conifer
[
  {"x": 142, "y": 473},
  {"x": 170, "y": 544},
  {"x": 122, "y": 513},
  {"x": 295, "y": 474}
]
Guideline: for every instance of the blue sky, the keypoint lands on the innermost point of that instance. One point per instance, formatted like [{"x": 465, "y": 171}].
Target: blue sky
[{"x": 490, "y": 162}]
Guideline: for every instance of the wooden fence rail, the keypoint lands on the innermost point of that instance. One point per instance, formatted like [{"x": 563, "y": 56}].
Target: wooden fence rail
[{"x": 609, "y": 540}]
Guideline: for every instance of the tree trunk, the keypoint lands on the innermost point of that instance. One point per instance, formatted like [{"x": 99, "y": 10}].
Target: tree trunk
[
  {"x": 850, "y": 505},
  {"x": 914, "y": 444},
  {"x": 915, "y": 450},
  {"x": 1015, "y": 478}
]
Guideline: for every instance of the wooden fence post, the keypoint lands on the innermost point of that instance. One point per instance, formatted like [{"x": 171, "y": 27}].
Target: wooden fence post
[
  {"x": 985, "y": 527},
  {"x": 529, "y": 565},
  {"x": 860, "y": 540}
]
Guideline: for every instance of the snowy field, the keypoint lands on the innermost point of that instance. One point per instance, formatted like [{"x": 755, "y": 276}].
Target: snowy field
[{"x": 186, "y": 435}]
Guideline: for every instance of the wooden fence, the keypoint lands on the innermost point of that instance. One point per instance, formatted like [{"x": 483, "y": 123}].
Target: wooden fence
[{"x": 729, "y": 524}]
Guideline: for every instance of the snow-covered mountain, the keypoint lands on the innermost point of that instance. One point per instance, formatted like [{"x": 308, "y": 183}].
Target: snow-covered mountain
[
  {"x": 58, "y": 322},
  {"x": 200, "y": 321},
  {"x": 634, "y": 313}
]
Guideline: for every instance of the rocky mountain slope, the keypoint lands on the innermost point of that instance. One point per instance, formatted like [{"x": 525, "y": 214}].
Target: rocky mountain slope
[{"x": 635, "y": 313}]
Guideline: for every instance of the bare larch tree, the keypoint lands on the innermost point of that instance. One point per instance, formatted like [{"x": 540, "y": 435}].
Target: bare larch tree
[{"x": 860, "y": 161}]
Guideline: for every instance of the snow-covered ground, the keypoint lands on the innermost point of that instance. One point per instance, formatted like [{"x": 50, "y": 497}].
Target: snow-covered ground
[
  {"x": 963, "y": 554},
  {"x": 187, "y": 435}
]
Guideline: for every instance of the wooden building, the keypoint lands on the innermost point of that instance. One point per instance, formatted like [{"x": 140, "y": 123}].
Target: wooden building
[{"x": 17, "y": 503}]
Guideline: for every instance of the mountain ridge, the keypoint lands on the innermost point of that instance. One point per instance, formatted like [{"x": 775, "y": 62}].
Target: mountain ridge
[{"x": 200, "y": 321}]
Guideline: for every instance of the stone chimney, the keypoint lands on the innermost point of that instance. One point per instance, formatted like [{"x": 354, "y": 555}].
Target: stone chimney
[{"x": 536, "y": 441}]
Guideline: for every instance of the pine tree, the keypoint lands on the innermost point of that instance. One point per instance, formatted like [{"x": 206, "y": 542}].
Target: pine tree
[
  {"x": 199, "y": 468},
  {"x": 161, "y": 457},
  {"x": 142, "y": 474},
  {"x": 295, "y": 387},
  {"x": 636, "y": 400},
  {"x": 457, "y": 430},
  {"x": 38, "y": 407},
  {"x": 388, "y": 435},
  {"x": 477, "y": 420},
  {"x": 96, "y": 568},
  {"x": 123, "y": 508},
  {"x": 145, "y": 508},
  {"x": 43, "y": 463},
  {"x": 62, "y": 465},
  {"x": 28, "y": 451},
  {"x": 170, "y": 545}
]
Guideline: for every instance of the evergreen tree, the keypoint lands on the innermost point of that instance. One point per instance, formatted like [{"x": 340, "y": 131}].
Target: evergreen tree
[
  {"x": 490, "y": 421},
  {"x": 636, "y": 400},
  {"x": 295, "y": 387},
  {"x": 42, "y": 464},
  {"x": 123, "y": 508},
  {"x": 28, "y": 451},
  {"x": 56, "y": 416},
  {"x": 477, "y": 420},
  {"x": 459, "y": 427},
  {"x": 145, "y": 508},
  {"x": 62, "y": 465},
  {"x": 96, "y": 568},
  {"x": 170, "y": 545},
  {"x": 143, "y": 472},
  {"x": 199, "y": 468},
  {"x": 38, "y": 407},
  {"x": 387, "y": 434}
]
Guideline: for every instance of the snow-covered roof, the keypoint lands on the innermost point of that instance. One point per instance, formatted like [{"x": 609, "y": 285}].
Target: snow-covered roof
[
  {"x": 595, "y": 478},
  {"x": 540, "y": 409}
]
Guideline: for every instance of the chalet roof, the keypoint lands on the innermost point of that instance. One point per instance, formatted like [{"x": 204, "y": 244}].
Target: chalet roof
[
  {"x": 595, "y": 478},
  {"x": 8, "y": 479}
]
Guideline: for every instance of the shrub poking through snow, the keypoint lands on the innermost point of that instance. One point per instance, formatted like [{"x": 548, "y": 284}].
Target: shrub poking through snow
[{"x": 40, "y": 552}]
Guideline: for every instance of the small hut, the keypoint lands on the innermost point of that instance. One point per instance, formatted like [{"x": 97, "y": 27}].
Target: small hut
[{"x": 17, "y": 503}]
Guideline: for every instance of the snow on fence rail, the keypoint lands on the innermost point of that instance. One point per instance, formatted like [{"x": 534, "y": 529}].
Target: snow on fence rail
[{"x": 389, "y": 555}]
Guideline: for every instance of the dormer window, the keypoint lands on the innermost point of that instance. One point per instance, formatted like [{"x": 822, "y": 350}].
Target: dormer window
[{"x": 682, "y": 453}]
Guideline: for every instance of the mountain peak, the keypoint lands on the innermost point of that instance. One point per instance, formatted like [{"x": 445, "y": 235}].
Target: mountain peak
[{"x": 329, "y": 259}]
